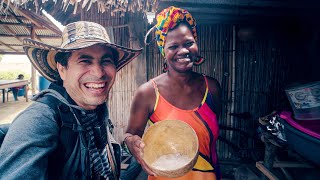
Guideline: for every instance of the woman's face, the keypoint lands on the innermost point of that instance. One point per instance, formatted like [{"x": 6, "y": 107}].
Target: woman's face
[{"x": 180, "y": 48}]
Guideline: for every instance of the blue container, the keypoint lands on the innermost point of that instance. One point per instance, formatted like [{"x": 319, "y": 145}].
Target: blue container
[
  {"x": 21, "y": 92},
  {"x": 43, "y": 83},
  {"x": 298, "y": 139}
]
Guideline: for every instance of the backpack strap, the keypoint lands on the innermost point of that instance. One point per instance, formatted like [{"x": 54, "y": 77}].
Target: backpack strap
[
  {"x": 64, "y": 117},
  {"x": 69, "y": 134}
]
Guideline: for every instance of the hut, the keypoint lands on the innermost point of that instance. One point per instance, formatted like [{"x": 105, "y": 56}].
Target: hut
[{"x": 17, "y": 23}]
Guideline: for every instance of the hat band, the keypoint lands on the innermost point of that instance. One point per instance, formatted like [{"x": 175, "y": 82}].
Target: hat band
[{"x": 87, "y": 36}]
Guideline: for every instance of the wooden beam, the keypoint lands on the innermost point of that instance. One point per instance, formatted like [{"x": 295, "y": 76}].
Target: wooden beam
[
  {"x": 48, "y": 25},
  {"x": 291, "y": 164},
  {"x": 35, "y": 35},
  {"x": 38, "y": 20},
  {"x": 12, "y": 17},
  {"x": 15, "y": 24},
  {"x": 25, "y": 14},
  {"x": 4, "y": 44},
  {"x": 28, "y": 36},
  {"x": 284, "y": 171}
]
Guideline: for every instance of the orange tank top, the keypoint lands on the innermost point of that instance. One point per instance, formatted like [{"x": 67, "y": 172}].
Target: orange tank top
[{"x": 204, "y": 121}]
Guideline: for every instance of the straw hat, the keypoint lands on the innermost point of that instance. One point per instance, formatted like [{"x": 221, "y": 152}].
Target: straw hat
[{"x": 75, "y": 36}]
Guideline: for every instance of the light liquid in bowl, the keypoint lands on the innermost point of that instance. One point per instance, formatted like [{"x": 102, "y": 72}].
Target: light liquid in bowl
[{"x": 170, "y": 161}]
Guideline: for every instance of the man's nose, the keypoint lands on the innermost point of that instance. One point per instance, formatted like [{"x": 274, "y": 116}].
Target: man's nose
[{"x": 98, "y": 70}]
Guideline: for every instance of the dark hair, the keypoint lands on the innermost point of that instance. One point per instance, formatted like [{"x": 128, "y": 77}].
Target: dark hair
[
  {"x": 20, "y": 76},
  {"x": 62, "y": 58}
]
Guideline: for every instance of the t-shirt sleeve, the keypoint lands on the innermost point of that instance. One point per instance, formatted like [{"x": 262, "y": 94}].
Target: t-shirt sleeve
[{"x": 32, "y": 136}]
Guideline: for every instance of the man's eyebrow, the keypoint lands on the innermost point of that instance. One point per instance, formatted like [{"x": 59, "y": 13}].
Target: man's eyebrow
[{"x": 84, "y": 56}]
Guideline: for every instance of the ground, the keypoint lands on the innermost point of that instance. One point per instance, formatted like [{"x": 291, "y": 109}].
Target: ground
[{"x": 10, "y": 109}]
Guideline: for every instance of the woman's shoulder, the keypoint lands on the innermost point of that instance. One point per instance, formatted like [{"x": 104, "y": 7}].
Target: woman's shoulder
[
  {"x": 147, "y": 89},
  {"x": 213, "y": 81},
  {"x": 214, "y": 85}
]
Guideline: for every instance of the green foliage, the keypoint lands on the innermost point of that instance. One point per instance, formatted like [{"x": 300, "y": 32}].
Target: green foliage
[{"x": 11, "y": 75}]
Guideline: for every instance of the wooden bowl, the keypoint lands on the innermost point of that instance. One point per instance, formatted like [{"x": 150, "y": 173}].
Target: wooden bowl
[{"x": 171, "y": 148}]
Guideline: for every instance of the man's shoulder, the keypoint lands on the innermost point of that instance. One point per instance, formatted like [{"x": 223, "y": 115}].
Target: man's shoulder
[
  {"x": 38, "y": 117},
  {"x": 37, "y": 109}
]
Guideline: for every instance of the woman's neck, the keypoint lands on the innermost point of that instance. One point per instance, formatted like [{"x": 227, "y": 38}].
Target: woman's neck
[{"x": 181, "y": 78}]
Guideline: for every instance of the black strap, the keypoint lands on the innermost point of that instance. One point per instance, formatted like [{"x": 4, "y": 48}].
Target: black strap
[{"x": 68, "y": 135}]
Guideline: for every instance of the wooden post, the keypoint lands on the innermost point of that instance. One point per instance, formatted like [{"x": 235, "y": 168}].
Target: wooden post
[
  {"x": 136, "y": 31},
  {"x": 269, "y": 156},
  {"x": 33, "y": 70}
]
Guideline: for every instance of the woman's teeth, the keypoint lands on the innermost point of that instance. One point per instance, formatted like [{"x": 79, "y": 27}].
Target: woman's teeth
[{"x": 183, "y": 60}]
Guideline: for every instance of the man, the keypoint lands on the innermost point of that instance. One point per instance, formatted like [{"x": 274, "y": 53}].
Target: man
[
  {"x": 64, "y": 134},
  {"x": 15, "y": 90}
]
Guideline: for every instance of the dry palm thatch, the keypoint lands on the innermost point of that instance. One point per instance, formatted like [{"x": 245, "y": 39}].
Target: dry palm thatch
[{"x": 114, "y": 6}]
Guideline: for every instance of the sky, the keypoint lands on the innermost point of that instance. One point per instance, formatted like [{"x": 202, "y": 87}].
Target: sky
[
  {"x": 14, "y": 59},
  {"x": 58, "y": 24}
]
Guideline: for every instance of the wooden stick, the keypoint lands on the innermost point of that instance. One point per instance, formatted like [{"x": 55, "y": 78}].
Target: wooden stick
[{"x": 265, "y": 171}]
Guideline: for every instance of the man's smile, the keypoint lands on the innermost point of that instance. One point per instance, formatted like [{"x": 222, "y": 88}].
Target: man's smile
[{"x": 95, "y": 85}]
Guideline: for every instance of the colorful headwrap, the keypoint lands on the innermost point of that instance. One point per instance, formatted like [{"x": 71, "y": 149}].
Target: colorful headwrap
[{"x": 170, "y": 18}]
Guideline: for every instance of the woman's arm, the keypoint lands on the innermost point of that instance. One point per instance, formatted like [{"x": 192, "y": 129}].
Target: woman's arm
[{"x": 141, "y": 107}]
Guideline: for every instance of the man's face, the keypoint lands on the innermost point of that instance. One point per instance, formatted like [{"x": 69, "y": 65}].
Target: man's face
[{"x": 89, "y": 75}]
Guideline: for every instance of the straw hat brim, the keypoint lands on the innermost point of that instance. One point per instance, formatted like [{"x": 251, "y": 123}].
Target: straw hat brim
[{"x": 42, "y": 56}]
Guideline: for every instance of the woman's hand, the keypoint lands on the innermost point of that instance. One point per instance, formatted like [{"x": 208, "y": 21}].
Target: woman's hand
[{"x": 136, "y": 146}]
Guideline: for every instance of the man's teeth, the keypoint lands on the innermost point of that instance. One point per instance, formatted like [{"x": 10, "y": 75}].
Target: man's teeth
[{"x": 95, "y": 85}]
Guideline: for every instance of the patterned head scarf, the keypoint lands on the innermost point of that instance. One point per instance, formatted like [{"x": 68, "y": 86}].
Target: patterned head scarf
[{"x": 168, "y": 19}]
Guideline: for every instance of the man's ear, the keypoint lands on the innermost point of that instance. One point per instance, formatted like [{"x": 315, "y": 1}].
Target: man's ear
[{"x": 61, "y": 69}]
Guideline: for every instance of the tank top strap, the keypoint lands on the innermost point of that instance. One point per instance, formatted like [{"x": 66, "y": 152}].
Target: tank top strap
[
  {"x": 156, "y": 90},
  {"x": 207, "y": 89}
]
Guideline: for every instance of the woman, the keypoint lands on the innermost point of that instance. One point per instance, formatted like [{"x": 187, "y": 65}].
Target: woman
[{"x": 179, "y": 93}]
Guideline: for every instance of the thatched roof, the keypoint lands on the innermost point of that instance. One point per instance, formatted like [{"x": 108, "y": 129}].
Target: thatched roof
[
  {"x": 17, "y": 23},
  {"x": 63, "y": 10},
  {"x": 206, "y": 11}
]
